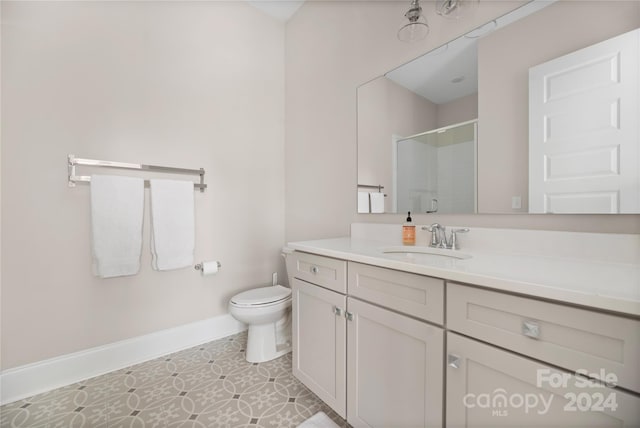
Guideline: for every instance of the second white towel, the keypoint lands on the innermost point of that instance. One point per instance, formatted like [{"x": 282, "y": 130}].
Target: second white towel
[
  {"x": 172, "y": 224},
  {"x": 377, "y": 202}
]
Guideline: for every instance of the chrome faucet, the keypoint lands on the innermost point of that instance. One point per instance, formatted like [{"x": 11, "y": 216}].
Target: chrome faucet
[
  {"x": 435, "y": 234},
  {"x": 439, "y": 236}
]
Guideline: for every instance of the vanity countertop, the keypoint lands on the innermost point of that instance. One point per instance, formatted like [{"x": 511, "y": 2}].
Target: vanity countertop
[{"x": 602, "y": 285}]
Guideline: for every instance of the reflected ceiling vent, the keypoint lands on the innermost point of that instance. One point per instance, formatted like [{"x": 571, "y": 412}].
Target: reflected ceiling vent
[
  {"x": 454, "y": 9},
  {"x": 417, "y": 27}
]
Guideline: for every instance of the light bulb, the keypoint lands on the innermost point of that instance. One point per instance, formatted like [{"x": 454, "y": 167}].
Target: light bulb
[
  {"x": 414, "y": 31},
  {"x": 416, "y": 28},
  {"x": 454, "y": 9}
]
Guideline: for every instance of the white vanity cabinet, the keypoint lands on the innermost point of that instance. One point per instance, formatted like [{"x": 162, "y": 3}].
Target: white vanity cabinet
[
  {"x": 499, "y": 384},
  {"x": 380, "y": 346},
  {"x": 374, "y": 366},
  {"x": 491, "y": 387}
]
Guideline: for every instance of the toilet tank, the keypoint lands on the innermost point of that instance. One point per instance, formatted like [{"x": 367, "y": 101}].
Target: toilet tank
[{"x": 289, "y": 263}]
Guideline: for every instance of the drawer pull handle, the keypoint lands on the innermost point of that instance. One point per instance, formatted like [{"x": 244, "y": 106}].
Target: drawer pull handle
[
  {"x": 349, "y": 316},
  {"x": 453, "y": 361},
  {"x": 531, "y": 329},
  {"x": 314, "y": 269},
  {"x": 337, "y": 311}
]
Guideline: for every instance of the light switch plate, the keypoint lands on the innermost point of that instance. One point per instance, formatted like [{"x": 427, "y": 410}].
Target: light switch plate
[{"x": 516, "y": 202}]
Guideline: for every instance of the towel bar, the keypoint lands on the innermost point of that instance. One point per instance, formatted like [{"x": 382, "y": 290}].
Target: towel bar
[
  {"x": 371, "y": 186},
  {"x": 73, "y": 161}
]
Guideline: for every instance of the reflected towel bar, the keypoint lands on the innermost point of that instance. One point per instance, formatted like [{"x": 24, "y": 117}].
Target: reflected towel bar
[
  {"x": 73, "y": 161},
  {"x": 371, "y": 186}
]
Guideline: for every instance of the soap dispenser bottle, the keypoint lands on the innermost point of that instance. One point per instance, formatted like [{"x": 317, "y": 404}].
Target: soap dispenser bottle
[{"x": 408, "y": 232}]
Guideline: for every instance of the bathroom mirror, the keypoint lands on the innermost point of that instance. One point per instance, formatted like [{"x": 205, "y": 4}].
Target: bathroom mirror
[{"x": 483, "y": 78}]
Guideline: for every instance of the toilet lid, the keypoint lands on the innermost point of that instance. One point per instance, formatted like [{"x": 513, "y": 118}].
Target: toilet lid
[{"x": 261, "y": 296}]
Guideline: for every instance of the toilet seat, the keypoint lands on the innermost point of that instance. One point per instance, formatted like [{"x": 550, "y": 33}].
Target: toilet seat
[{"x": 263, "y": 296}]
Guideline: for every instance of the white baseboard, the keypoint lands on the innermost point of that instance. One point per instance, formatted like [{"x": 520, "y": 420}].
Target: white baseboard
[{"x": 31, "y": 379}]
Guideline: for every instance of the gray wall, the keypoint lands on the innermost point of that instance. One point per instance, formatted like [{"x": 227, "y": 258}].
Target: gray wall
[{"x": 165, "y": 83}]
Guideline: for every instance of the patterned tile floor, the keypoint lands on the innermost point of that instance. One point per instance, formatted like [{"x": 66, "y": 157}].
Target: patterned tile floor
[{"x": 211, "y": 385}]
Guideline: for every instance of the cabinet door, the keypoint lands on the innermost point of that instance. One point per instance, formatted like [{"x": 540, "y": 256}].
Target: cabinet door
[
  {"x": 395, "y": 369},
  {"x": 490, "y": 387},
  {"x": 319, "y": 342}
]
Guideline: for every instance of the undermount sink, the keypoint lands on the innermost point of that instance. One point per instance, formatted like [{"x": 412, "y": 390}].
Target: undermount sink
[{"x": 440, "y": 252}]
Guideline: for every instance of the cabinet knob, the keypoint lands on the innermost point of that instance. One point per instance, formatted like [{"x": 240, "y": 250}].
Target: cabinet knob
[
  {"x": 349, "y": 316},
  {"x": 337, "y": 311},
  {"x": 453, "y": 361},
  {"x": 531, "y": 329},
  {"x": 314, "y": 269}
]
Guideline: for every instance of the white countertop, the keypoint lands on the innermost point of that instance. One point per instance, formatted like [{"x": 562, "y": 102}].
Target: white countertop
[{"x": 602, "y": 285}]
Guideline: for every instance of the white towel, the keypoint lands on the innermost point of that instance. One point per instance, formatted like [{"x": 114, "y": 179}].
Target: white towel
[
  {"x": 377, "y": 202},
  {"x": 172, "y": 224},
  {"x": 117, "y": 211},
  {"x": 363, "y": 202},
  {"x": 319, "y": 420}
]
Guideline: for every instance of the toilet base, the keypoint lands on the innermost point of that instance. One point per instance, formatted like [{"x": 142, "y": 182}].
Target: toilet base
[{"x": 261, "y": 344}]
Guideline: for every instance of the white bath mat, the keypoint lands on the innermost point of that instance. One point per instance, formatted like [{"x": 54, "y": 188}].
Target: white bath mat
[{"x": 319, "y": 420}]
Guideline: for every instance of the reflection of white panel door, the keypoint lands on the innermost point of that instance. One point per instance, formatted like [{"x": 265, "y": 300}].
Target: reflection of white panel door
[{"x": 584, "y": 138}]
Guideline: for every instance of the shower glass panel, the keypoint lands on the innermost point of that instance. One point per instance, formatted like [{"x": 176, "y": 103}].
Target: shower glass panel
[{"x": 435, "y": 171}]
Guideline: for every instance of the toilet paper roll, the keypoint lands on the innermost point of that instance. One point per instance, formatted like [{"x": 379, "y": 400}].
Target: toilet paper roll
[{"x": 210, "y": 268}]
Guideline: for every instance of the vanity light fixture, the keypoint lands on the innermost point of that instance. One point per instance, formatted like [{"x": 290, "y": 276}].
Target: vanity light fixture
[
  {"x": 417, "y": 27},
  {"x": 454, "y": 9}
]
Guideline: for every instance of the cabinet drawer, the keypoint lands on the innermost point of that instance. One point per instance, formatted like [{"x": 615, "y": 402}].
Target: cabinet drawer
[
  {"x": 416, "y": 295},
  {"x": 572, "y": 338},
  {"x": 324, "y": 271},
  {"x": 490, "y": 387}
]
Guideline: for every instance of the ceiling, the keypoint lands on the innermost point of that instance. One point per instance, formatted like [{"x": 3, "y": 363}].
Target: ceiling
[
  {"x": 451, "y": 71},
  {"x": 281, "y": 10}
]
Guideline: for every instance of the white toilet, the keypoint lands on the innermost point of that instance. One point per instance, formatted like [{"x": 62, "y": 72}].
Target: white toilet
[{"x": 267, "y": 312}]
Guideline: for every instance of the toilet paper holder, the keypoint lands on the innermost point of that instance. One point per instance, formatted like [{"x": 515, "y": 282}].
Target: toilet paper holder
[{"x": 199, "y": 266}]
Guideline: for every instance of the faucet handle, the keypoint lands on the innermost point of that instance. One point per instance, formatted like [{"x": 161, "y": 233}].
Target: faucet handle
[
  {"x": 454, "y": 237},
  {"x": 433, "y": 227}
]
